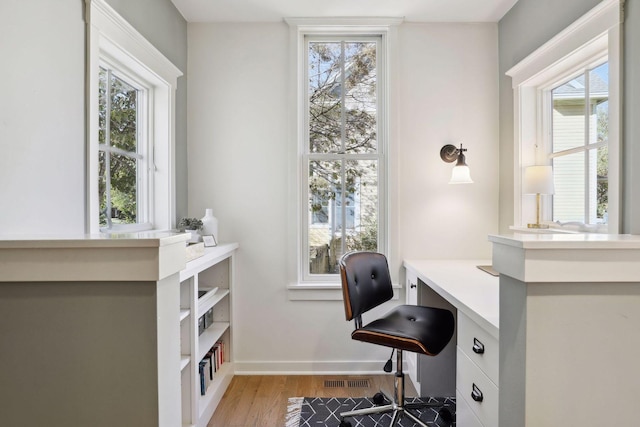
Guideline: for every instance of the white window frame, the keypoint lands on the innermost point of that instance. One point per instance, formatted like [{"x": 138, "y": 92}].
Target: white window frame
[
  {"x": 112, "y": 40},
  {"x": 594, "y": 36},
  {"x": 324, "y": 287}
]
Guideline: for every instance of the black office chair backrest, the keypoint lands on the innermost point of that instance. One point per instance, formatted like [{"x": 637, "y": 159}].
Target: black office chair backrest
[{"x": 366, "y": 282}]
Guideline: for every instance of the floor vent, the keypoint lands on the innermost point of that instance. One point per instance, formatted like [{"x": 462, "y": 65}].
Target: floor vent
[
  {"x": 360, "y": 383},
  {"x": 334, "y": 383},
  {"x": 364, "y": 383}
]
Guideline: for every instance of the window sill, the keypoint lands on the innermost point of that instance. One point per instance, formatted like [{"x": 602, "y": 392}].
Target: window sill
[
  {"x": 322, "y": 292},
  {"x": 564, "y": 228}
]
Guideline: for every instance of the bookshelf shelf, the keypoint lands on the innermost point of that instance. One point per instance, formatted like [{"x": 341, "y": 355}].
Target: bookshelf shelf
[
  {"x": 206, "y": 284},
  {"x": 211, "y": 298},
  {"x": 210, "y": 336}
]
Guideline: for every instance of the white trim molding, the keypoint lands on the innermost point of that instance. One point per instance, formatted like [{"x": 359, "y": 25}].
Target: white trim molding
[{"x": 596, "y": 36}]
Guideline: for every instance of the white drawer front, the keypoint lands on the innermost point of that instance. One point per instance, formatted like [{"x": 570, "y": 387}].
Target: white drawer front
[
  {"x": 471, "y": 380},
  {"x": 471, "y": 335},
  {"x": 464, "y": 415}
]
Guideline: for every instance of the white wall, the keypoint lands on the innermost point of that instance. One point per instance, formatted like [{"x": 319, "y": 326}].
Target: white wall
[
  {"x": 42, "y": 107},
  {"x": 448, "y": 95},
  {"x": 444, "y": 91},
  {"x": 42, "y": 129}
]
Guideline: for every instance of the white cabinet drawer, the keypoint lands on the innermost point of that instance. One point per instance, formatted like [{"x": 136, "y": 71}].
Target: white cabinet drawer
[
  {"x": 472, "y": 382},
  {"x": 481, "y": 347},
  {"x": 464, "y": 415}
]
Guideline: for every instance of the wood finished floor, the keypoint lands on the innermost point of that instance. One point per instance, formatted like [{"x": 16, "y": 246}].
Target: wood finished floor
[{"x": 261, "y": 400}]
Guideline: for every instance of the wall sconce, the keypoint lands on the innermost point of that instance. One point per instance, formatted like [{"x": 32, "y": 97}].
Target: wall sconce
[
  {"x": 538, "y": 180},
  {"x": 460, "y": 174}
]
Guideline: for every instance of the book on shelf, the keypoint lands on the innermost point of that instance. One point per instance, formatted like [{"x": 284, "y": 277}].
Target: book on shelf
[
  {"x": 219, "y": 354},
  {"x": 205, "y": 378},
  {"x": 211, "y": 357}
]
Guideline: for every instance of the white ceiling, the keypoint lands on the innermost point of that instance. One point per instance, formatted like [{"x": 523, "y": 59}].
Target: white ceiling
[{"x": 411, "y": 10}]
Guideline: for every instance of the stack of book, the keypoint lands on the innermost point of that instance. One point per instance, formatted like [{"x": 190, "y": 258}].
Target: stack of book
[{"x": 210, "y": 364}]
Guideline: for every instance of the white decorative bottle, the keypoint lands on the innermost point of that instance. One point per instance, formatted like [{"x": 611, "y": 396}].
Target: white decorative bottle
[{"x": 210, "y": 224}]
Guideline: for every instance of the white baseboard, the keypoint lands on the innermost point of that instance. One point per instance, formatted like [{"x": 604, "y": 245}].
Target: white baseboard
[{"x": 356, "y": 367}]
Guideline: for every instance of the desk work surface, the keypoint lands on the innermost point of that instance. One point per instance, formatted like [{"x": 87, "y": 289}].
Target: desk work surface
[{"x": 473, "y": 291}]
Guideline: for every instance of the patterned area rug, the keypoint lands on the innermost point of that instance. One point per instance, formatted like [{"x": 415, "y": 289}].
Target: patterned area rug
[{"x": 325, "y": 412}]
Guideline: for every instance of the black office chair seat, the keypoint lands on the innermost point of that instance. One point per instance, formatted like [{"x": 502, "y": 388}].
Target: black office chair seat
[
  {"x": 424, "y": 330},
  {"x": 366, "y": 283}
]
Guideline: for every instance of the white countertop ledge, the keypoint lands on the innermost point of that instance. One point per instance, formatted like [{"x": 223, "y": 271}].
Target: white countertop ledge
[
  {"x": 568, "y": 241},
  {"x": 561, "y": 258},
  {"x": 143, "y": 256},
  {"x": 114, "y": 240}
]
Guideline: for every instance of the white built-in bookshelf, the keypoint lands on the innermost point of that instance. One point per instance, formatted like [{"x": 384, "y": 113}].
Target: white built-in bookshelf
[{"x": 206, "y": 283}]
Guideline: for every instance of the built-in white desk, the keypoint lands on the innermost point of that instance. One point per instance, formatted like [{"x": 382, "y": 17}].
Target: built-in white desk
[
  {"x": 565, "y": 317},
  {"x": 473, "y": 295}
]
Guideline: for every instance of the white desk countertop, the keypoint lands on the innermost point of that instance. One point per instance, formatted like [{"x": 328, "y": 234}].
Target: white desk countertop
[{"x": 466, "y": 287}]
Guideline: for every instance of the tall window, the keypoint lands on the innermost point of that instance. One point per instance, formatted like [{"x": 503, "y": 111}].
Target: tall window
[
  {"x": 579, "y": 146},
  {"x": 123, "y": 180},
  {"x": 343, "y": 151}
]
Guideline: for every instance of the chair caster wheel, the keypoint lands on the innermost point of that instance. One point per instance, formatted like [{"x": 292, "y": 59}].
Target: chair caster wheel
[
  {"x": 378, "y": 399},
  {"x": 445, "y": 418},
  {"x": 344, "y": 423}
]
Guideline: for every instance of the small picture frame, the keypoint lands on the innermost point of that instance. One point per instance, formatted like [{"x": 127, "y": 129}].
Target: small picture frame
[{"x": 209, "y": 241}]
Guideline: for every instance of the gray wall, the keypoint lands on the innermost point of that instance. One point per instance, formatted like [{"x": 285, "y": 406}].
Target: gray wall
[
  {"x": 160, "y": 22},
  {"x": 631, "y": 118},
  {"x": 42, "y": 108},
  {"x": 527, "y": 26}
]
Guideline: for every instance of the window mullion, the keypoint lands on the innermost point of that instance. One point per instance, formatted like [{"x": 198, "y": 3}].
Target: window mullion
[
  {"x": 107, "y": 153},
  {"x": 343, "y": 137},
  {"x": 587, "y": 154},
  {"x": 343, "y": 109},
  {"x": 343, "y": 210}
]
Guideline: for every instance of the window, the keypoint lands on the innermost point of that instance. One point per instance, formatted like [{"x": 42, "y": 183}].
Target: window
[
  {"x": 342, "y": 152},
  {"x": 131, "y": 116},
  {"x": 567, "y": 108},
  {"x": 579, "y": 146},
  {"x": 123, "y": 178},
  {"x": 341, "y": 142}
]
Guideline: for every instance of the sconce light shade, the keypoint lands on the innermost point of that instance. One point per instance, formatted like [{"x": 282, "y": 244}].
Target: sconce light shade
[
  {"x": 460, "y": 173},
  {"x": 538, "y": 180}
]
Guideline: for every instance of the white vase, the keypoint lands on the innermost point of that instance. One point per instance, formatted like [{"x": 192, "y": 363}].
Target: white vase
[{"x": 210, "y": 224}]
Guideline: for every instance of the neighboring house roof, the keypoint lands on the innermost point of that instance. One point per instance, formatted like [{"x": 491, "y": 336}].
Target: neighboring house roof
[{"x": 575, "y": 88}]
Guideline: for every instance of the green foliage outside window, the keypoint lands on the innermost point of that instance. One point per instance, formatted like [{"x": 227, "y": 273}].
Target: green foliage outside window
[
  {"x": 118, "y": 139},
  {"x": 342, "y": 94}
]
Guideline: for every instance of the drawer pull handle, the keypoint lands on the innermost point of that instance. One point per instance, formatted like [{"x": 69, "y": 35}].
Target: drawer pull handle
[
  {"x": 478, "y": 347},
  {"x": 476, "y": 394},
  {"x": 412, "y": 285}
]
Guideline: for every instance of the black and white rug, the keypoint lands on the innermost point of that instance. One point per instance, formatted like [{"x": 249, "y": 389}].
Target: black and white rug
[{"x": 325, "y": 412}]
